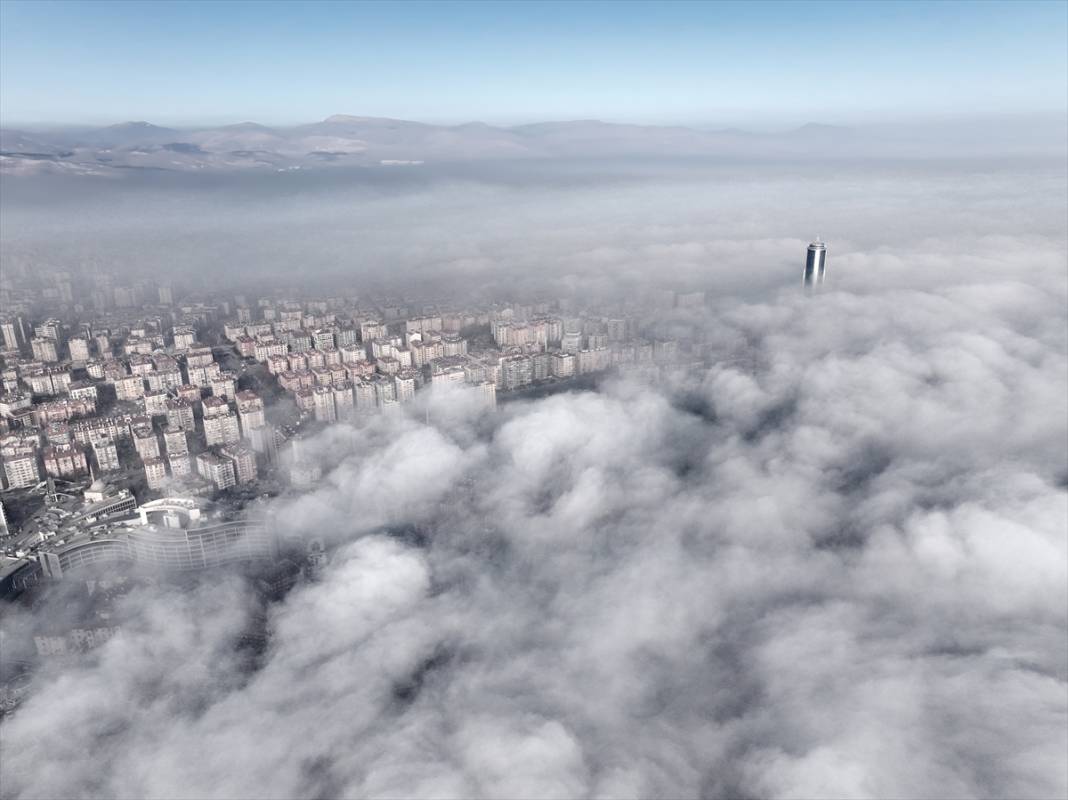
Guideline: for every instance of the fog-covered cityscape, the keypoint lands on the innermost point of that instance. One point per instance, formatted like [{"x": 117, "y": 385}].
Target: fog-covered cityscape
[
  {"x": 136, "y": 400},
  {"x": 533, "y": 400}
]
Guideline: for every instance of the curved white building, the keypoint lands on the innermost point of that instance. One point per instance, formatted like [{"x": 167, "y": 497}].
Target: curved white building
[{"x": 172, "y": 535}]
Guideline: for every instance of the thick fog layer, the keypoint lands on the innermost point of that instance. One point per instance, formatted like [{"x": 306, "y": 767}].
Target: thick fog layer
[
  {"x": 541, "y": 228},
  {"x": 834, "y": 565}
]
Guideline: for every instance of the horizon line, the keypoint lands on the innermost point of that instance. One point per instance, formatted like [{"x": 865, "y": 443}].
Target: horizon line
[{"x": 708, "y": 126}]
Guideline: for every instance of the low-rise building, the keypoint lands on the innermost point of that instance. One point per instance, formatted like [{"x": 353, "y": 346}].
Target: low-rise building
[
  {"x": 146, "y": 443},
  {"x": 65, "y": 461},
  {"x": 155, "y": 473},
  {"x": 323, "y": 404},
  {"x": 563, "y": 365},
  {"x": 130, "y": 387},
  {"x": 244, "y": 460},
  {"x": 105, "y": 452},
  {"x": 180, "y": 465},
  {"x": 20, "y": 465},
  {"x": 218, "y": 470}
]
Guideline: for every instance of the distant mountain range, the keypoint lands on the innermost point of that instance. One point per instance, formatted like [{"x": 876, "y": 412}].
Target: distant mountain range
[{"x": 373, "y": 141}]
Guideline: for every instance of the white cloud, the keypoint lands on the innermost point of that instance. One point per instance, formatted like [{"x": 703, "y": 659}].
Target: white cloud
[{"x": 844, "y": 575}]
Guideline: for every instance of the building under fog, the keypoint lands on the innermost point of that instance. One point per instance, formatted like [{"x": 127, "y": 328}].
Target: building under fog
[{"x": 170, "y": 534}]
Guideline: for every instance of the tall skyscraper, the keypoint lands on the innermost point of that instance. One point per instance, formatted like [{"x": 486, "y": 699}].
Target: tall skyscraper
[{"x": 815, "y": 263}]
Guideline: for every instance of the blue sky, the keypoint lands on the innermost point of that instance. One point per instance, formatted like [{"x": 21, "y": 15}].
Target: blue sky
[{"x": 723, "y": 63}]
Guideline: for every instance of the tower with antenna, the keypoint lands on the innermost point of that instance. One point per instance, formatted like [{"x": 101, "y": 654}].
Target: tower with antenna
[{"x": 815, "y": 263}]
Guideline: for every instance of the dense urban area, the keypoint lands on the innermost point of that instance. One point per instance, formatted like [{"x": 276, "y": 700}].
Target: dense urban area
[{"x": 141, "y": 425}]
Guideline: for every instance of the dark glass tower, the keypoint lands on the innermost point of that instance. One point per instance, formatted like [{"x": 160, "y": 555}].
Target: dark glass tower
[{"x": 816, "y": 263}]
